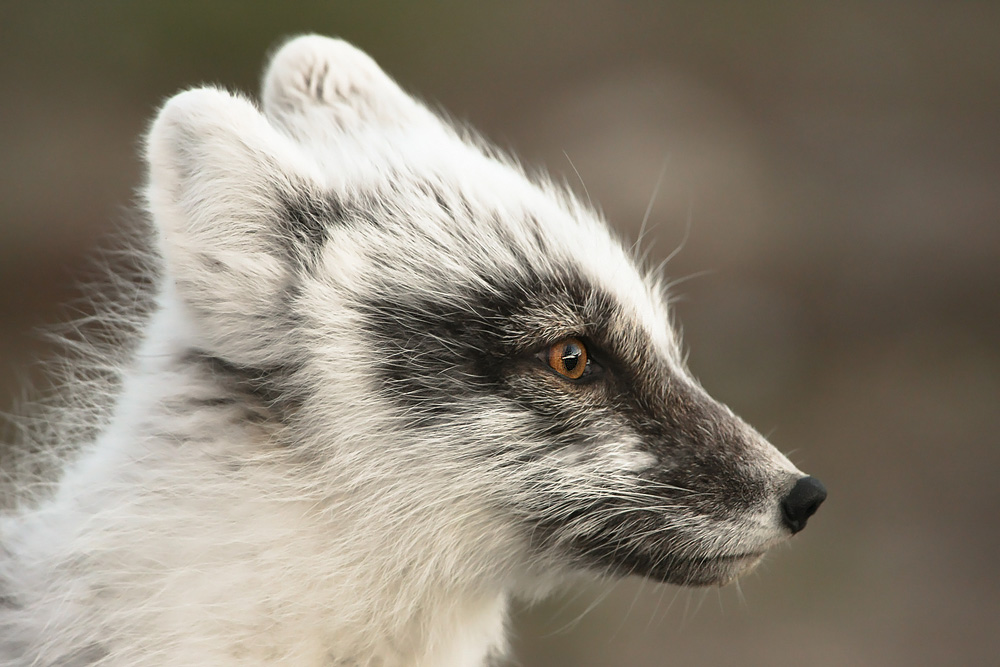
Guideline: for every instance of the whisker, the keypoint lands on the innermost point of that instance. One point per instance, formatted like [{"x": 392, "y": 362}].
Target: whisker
[
  {"x": 580, "y": 178},
  {"x": 649, "y": 210}
]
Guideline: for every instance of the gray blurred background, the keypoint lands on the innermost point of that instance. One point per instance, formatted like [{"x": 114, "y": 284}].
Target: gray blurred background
[{"x": 839, "y": 168}]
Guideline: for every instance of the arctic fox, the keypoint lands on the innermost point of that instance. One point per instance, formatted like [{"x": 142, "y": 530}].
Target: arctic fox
[{"x": 390, "y": 382}]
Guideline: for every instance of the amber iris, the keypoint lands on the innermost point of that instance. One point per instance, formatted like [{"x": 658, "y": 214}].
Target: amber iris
[{"x": 568, "y": 357}]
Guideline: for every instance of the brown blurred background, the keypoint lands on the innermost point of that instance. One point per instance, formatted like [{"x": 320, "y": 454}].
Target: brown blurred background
[{"x": 839, "y": 167}]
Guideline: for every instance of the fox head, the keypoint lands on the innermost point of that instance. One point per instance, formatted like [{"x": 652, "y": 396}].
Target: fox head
[{"x": 464, "y": 350}]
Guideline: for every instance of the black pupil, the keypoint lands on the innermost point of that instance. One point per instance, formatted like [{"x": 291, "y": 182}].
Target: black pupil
[{"x": 571, "y": 356}]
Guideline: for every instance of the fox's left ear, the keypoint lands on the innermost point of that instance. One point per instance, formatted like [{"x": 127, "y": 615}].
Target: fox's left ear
[
  {"x": 238, "y": 206},
  {"x": 317, "y": 88}
]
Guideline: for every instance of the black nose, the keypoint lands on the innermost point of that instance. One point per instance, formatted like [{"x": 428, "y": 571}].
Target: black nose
[{"x": 802, "y": 502}]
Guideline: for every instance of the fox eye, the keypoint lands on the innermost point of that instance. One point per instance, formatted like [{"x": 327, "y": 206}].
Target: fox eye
[{"x": 568, "y": 357}]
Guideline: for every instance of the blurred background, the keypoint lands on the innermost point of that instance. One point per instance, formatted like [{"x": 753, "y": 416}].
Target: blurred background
[{"x": 837, "y": 167}]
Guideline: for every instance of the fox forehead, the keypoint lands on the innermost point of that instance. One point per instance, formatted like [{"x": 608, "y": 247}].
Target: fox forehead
[{"x": 456, "y": 223}]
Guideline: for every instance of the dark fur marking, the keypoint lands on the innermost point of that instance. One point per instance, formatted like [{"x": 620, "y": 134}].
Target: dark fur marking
[
  {"x": 439, "y": 350},
  {"x": 535, "y": 228},
  {"x": 244, "y": 413},
  {"x": 269, "y": 388},
  {"x": 484, "y": 346},
  {"x": 320, "y": 79},
  {"x": 212, "y": 264},
  {"x": 466, "y": 207},
  {"x": 443, "y": 204},
  {"x": 304, "y": 221},
  {"x": 213, "y": 402}
]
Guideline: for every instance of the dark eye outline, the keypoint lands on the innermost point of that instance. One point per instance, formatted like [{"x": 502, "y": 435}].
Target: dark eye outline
[{"x": 591, "y": 369}]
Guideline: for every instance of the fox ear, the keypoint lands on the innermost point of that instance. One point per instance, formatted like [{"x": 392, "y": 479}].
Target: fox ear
[
  {"x": 238, "y": 207},
  {"x": 317, "y": 88}
]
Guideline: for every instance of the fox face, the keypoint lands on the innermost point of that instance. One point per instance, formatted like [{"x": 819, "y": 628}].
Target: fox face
[{"x": 464, "y": 346}]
